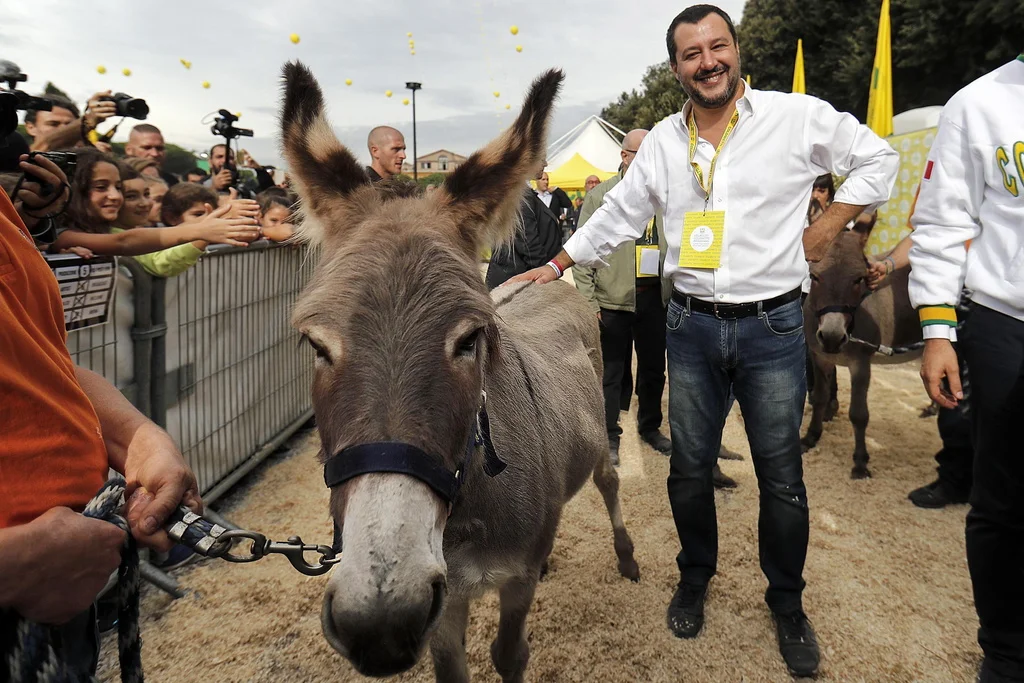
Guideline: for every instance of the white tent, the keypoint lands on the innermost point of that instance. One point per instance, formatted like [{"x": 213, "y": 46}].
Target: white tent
[
  {"x": 594, "y": 139},
  {"x": 915, "y": 119}
]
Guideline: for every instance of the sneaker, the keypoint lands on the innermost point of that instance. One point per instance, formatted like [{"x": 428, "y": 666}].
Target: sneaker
[
  {"x": 797, "y": 643},
  {"x": 934, "y": 496},
  {"x": 686, "y": 611},
  {"x": 178, "y": 556},
  {"x": 613, "y": 447},
  {"x": 657, "y": 441}
]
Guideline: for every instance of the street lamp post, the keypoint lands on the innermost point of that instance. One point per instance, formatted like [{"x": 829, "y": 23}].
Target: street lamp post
[{"x": 415, "y": 162}]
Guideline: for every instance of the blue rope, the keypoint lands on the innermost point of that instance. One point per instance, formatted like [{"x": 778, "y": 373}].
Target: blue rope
[{"x": 32, "y": 658}]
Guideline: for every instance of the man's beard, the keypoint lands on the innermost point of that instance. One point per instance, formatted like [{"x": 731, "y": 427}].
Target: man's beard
[{"x": 732, "y": 81}]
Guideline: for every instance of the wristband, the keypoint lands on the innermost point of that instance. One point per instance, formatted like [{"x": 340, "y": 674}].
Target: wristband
[
  {"x": 554, "y": 267},
  {"x": 892, "y": 264}
]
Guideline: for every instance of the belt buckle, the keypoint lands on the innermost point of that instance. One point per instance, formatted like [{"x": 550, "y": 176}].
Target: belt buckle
[{"x": 714, "y": 309}]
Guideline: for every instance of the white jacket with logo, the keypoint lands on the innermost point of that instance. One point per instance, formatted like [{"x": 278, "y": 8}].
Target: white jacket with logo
[{"x": 973, "y": 191}]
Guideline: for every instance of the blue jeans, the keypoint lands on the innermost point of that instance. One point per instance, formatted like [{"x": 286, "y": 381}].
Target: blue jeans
[{"x": 761, "y": 359}]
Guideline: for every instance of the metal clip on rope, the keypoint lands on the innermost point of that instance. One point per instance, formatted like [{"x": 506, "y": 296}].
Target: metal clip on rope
[{"x": 212, "y": 540}]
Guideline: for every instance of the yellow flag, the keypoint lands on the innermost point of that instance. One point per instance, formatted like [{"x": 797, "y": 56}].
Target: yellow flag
[
  {"x": 799, "y": 84},
  {"x": 880, "y": 99}
]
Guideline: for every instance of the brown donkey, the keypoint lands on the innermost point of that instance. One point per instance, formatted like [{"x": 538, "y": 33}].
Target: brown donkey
[
  {"x": 426, "y": 386},
  {"x": 845, "y": 323}
]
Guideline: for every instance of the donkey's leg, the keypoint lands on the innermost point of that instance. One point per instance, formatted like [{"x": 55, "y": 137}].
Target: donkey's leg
[
  {"x": 607, "y": 481},
  {"x": 860, "y": 380},
  {"x": 510, "y": 652},
  {"x": 819, "y": 401},
  {"x": 448, "y": 646}
]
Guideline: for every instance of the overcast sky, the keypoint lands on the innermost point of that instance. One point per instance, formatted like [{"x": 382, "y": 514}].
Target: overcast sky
[{"x": 464, "y": 53}]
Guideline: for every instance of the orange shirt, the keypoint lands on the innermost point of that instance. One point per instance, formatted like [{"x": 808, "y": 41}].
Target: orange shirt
[{"x": 51, "y": 447}]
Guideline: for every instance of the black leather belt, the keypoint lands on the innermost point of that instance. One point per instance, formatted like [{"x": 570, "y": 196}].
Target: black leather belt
[{"x": 733, "y": 311}]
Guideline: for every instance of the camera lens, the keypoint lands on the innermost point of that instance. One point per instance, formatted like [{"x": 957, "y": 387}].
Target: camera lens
[{"x": 132, "y": 107}]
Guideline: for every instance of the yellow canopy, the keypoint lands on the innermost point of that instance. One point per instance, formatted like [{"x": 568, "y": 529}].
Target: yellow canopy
[{"x": 572, "y": 175}]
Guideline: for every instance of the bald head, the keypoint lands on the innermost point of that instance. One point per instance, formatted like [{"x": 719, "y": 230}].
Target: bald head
[
  {"x": 387, "y": 149},
  {"x": 591, "y": 182},
  {"x": 630, "y": 144}
]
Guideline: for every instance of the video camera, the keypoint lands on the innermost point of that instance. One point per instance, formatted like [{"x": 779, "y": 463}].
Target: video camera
[
  {"x": 132, "y": 107},
  {"x": 222, "y": 126},
  {"x": 12, "y": 99}
]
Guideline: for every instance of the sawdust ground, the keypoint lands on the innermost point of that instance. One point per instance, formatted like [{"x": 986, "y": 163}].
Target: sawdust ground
[{"x": 887, "y": 583}]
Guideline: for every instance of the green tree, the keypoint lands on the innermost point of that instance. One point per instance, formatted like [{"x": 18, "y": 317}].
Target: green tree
[
  {"x": 659, "y": 96},
  {"x": 938, "y": 47},
  {"x": 52, "y": 89},
  {"x": 178, "y": 160}
]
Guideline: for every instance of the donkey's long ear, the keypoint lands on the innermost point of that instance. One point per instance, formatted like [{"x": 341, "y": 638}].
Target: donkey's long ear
[
  {"x": 484, "y": 192},
  {"x": 325, "y": 173}
]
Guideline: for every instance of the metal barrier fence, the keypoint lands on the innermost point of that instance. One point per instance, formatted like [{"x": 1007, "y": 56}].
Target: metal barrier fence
[{"x": 210, "y": 355}]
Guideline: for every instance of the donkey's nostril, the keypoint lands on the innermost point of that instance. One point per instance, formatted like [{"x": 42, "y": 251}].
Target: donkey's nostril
[
  {"x": 439, "y": 587},
  {"x": 820, "y": 336}
]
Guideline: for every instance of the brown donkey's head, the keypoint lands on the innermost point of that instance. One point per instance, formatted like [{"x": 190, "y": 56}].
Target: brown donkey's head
[
  {"x": 839, "y": 284},
  {"x": 403, "y": 330}
]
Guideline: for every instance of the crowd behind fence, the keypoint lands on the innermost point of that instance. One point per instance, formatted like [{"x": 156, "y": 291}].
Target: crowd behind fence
[{"x": 210, "y": 355}]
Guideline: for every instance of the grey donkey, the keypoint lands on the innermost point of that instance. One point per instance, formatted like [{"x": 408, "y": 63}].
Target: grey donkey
[
  {"x": 412, "y": 349},
  {"x": 845, "y": 323}
]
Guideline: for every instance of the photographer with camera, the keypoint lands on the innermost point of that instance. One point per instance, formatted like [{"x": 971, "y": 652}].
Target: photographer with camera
[
  {"x": 145, "y": 141},
  {"x": 224, "y": 172},
  {"x": 68, "y": 133}
]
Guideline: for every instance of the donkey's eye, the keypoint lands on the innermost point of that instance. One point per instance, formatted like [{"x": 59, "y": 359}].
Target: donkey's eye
[
  {"x": 321, "y": 352},
  {"x": 467, "y": 347}
]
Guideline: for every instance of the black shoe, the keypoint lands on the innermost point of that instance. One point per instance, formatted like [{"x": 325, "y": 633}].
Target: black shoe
[
  {"x": 934, "y": 496},
  {"x": 613, "y": 447},
  {"x": 686, "y": 611},
  {"x": 721, "y": 480},
  {"x": 797, "y": 643},
  {"x": 657, "y": 441}
]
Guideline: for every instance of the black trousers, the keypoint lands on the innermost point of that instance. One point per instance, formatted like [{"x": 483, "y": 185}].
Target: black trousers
[
  {"x": 621, "y": 331},
  {"x": 992, "y": 344},
  {"x": 956, "y": 458}
]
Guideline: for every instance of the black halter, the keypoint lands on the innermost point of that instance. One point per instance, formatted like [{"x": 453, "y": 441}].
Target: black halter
[{"x": 403, "y": 458}]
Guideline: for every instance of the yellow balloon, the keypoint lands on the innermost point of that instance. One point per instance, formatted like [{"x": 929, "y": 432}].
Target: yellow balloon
[
  {"x": 508, "y": 106},
  {"x": 405, "y": 101},
  {"x": 185, "y": 63},
  {"x": 348, "y": 81},
  {"x": 497, "y": 94},
  {"x": 412, "y": 52},
  {"x": 294, "y": 38},
  {"x": 387, "y": 93},
  {"x": 126, "y": 72},
  {"x": 519, "y": 48},
  {"x": 411, "y": 42},
  {"x": 206, "y": 84},
  {"x": 238, "y": 114},
  {"x": 514, "y": 30},
  {"x": 101, "y": 69},
  {"x": 409, "y": 34}
]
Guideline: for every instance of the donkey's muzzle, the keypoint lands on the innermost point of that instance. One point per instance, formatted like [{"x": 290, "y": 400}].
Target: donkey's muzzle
[{"x": 386, "y": 640}]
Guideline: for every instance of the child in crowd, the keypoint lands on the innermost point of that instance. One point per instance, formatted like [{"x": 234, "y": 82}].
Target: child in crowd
[
  {"x": 96, "y": 205},
  {"x": 157, "y": 190},
  {"x": 276, "y": 214}
]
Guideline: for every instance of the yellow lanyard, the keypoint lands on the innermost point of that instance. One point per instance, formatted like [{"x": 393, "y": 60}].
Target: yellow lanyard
[{"x": 697, "y": 172}]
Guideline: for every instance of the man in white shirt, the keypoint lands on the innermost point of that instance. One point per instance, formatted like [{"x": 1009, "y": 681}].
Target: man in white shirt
[
  {"x": 973, "y": 192},
  {"x": 734, "y": 230}
]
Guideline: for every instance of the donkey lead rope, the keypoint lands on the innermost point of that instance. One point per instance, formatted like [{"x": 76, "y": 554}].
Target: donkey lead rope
[{"x": 31, "y": 657}]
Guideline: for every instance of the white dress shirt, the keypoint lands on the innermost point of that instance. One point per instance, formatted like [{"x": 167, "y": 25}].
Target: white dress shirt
[
  {"x": 973, "y": 190},
  {"x": 545, "y": 197},
  {"x": 763, "y": 180}
]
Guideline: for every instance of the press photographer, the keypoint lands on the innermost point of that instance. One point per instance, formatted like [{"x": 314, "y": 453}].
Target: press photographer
[{"x": 224, "y": 172}]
